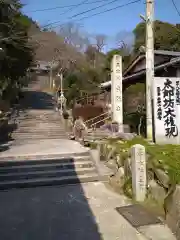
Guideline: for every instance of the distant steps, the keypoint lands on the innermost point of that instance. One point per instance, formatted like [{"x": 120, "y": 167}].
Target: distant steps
[{"x": 39, "y": 124}]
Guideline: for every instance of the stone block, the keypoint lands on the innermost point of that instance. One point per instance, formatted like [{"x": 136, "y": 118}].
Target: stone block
[
  {"x": 138, "y": 160},
  {"x": 119, "y": 177},
  {"x": 162, "y": 177},
  {"x": 172, "y": 205},
  {"x": 125, "y": 136},
  {"x": 112, "y": 164},
  {"x": 156, "y": 191},
  {"x": 119, "y": 161},
  {"x": 111, "y": 153},
  {"x": 120, "y": 173},
  {"x": 127, "y": 167}
]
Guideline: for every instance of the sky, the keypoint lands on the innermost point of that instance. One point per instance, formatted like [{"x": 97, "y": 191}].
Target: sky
[{"x": 122, "y": 20}]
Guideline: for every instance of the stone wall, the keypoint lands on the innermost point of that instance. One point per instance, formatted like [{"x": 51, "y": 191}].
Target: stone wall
[
  {"x": 157, "y": 183},
  {"x": 172, "y": 204}
]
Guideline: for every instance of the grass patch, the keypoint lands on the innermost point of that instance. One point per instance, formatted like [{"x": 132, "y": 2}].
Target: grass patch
[{"x": 154, "y": 207}]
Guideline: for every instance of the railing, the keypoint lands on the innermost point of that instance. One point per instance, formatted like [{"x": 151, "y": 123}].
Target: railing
[
  {"x": 92, "y": 119},
  {"x": 93, "y": 125}
]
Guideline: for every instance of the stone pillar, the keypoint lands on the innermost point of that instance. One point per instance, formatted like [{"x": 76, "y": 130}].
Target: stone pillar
[
  {"x": 138, "y": 160},
  {"x": 178, "y": 73},
  {"x": 116, "y": 91}
]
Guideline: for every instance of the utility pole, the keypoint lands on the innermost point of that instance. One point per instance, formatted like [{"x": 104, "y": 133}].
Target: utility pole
[
  {"x": 50, "y": 76},
  {"x": 62, "y": 95},
  {"x": 149, "y": 66}
]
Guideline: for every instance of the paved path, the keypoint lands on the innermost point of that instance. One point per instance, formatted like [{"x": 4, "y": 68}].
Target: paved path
[
  {"x": 76, "y": 212},
  {"x": 44, "y": 147}
]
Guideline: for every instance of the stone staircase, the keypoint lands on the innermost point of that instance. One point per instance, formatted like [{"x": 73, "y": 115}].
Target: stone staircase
[
  {"x": 36, "y": 157},
  {"x": 39, "y": 124},
  {"x": 38, "y": 168},
  {"x": 19, "y": 173}
]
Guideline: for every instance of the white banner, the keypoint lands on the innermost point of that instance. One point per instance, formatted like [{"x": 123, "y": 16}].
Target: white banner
[{"x": 167, "y": 110}]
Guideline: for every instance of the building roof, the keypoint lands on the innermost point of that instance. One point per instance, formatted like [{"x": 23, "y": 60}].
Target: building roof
[
  {"x": 141, "y": 56},
  {"x": 45, "y": 65},
  {"x": 167, "y": 53},
  {"x": 175, "y": 58}
]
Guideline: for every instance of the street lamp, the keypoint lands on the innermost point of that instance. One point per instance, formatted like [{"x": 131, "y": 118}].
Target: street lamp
[
  {"x": 2, "y": 53},
  {"x": 62, "y": 98}
]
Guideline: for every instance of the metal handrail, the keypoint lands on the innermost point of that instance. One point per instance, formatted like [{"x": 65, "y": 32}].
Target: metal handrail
[
  {"x": 96, "y": 117},
  {"x": 100, "y": 121},
  {"x": 83, "y": 98}
]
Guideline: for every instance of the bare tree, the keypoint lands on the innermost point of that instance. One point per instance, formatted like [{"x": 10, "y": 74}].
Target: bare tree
[
  {"x": 51, "y": 47},
  {"x": 100, "y": 41},
  {"x": 73, "y": 35},
  {"x": 124, "y": 40}
]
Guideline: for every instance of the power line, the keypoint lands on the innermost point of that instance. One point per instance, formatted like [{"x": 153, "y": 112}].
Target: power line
[
  {"x": 87, "y": 17},
  {"x": 175, "y": 6},
  {"x": 72, "y": 8},
  {"x": 65, "y": 6},
  {"x": 102, "y": 12},
  {"x": 69, "y": 10},
  {"x": 111, "y": 9},
  {"x": 78, "y": 14}
]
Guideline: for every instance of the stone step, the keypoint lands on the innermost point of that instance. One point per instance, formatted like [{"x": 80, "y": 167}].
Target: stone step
[
  {"x": 40, "y": 126},
  {"x": 30, "y": 130},
  {"x": 37, "y": 125},
  {"x": 39, "y": 171},
  {"x": 34, "y": 122},
  {"x": 49, "y": 165},
  {"x": 39, "y": 131},
  {"x": 35, "y": 134},
  {"x": 45, "y": 131},
  {"x": 38, "y": 114},
  {"x": 17, "y": 160},
  {"x": 39, "y": 119},
  {"x": 22, "y": 134},
  {"x": 50, "y": 181},
  {"x": 26, "y": 138},
  {"x": 30, "y": 117},
  {"x": 39, "y": 137},
  {"x": 45, "y": 174},
  {"x": 43, "y": 160}
]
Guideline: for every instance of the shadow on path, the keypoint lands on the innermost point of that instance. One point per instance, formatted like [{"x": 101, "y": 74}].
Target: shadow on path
[
  {"x": 46, "y": 212},
  {"x": 37, "y": 100}
]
